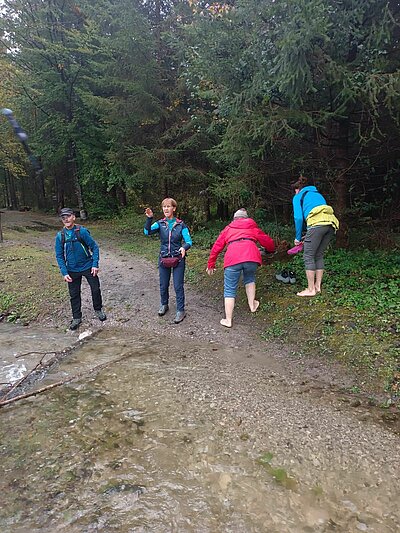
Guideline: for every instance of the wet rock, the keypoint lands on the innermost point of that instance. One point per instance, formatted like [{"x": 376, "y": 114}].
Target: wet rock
[
  {"x": 85, "y": 334},
  {"x": 116, "y": 487},
  {"x": 135, "y": 416},
  {"x": 349, "y": 505},
  {"x": 224, "y": 481}
]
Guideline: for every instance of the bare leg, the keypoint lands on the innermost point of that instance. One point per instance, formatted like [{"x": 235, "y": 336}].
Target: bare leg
[
  {"x": 310, "y": 291},
  {"x": 318, "y": 280},
  {"x": 251, "y": 294},
  {"x": 229, "y": 306}
]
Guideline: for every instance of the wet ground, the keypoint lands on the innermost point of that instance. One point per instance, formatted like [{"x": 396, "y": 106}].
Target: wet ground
[{"x": 144, "y": 445}]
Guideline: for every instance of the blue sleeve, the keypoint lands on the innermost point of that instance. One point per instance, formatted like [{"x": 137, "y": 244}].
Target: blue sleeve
[
  {"x": 298, "y": 217},
  {"x": 60, "y": 255},
  {"x": 93, "y": 246},
  {"x": 149, "y": 228},
  {"x": 187, "y": 238}
]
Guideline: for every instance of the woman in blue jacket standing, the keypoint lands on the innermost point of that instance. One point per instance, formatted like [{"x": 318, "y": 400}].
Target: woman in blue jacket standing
[
  {"x": 175, "y": 242},
  {"x": 311, "y": 211}
]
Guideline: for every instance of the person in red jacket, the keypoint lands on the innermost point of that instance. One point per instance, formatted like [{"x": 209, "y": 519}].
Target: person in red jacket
[{"x": 242, "y": 256}]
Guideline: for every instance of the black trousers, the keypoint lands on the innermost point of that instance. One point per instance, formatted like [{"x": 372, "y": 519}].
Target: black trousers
[{"x": 74, "y": 288}]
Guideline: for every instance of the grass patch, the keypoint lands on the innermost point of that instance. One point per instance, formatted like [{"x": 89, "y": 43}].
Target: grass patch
[{"x": 29, "y": 279}]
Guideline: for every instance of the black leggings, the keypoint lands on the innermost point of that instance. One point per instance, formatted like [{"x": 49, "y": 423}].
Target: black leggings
[{"x": 74, "y": 288}]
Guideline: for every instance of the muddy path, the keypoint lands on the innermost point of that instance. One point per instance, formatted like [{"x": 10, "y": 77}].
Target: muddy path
[{"x": 255, "y": 396}]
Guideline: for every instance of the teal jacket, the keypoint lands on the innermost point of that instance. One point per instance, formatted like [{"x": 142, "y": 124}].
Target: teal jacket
[
  {"x": 172, "y": 233},
  {"x": 76, "y": 256},
  {"x": 301, "y": 209}
]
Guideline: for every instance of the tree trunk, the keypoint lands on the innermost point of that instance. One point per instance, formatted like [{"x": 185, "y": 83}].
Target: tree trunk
[
  {"x": 40, "y": 190},
  {"x": 121, "y": 196},
  {"x": 337, "y": 151},
  {"x": 73, "y": 171},
  {"x": 6, "y": 190},
  {"x": 59, "y": 197},
  {"x": 207, "y": 208},
  {"x": 222, "y": 210},
  {"x": 14, "y": 204}
]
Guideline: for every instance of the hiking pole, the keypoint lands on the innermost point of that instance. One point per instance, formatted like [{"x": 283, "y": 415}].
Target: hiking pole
[{"x": 23, "y": 138}]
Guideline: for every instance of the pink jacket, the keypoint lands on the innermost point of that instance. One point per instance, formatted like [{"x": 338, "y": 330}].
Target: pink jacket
[{"x": 240, "y": 237}]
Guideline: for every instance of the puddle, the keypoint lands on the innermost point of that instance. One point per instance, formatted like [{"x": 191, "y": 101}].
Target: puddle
[
  {"x": 16, "y": 340},
  {"x": 123, "y": 451}
]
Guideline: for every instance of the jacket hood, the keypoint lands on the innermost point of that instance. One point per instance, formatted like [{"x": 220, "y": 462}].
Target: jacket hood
[{"x": 243, "y": 223}]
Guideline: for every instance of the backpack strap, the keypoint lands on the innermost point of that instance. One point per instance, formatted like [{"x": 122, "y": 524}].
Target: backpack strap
[
  {"x": 77, "y": 232},
  {"x": 302, "y": 202}
]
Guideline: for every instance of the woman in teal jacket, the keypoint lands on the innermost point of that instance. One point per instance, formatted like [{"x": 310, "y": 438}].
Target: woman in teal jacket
[
  {"x": 175, "y": 242},
  {"x": 311, "y": 212}
]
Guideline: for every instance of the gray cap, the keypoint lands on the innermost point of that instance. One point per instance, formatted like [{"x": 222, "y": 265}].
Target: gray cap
[
  {"x": 241, "y": 213},
  {"x": 66, "y": 211}
]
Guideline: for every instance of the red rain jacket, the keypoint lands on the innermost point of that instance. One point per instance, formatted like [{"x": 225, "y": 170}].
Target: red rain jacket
[{"x": 240, "y": 237}]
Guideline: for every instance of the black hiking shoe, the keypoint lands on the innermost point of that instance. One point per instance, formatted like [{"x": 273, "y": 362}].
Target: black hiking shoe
[
  {"x": 101, "y": 315},
  {"x": 283, "y": 276},
  {"x": 292, "y": 278},
  {"x": 75, "y": 323}
]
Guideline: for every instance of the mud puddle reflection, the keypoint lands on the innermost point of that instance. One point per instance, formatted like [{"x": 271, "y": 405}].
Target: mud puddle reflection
[
  {"x": 122, "y": 451},
  {"x": 17, "y": 340}
]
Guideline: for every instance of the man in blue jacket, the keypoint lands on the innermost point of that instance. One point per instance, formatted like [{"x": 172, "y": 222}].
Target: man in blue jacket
[{"x": 77, "y": 255}]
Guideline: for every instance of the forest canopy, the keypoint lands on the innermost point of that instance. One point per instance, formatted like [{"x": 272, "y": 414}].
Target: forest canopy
[{"x": 217, "y": 104}]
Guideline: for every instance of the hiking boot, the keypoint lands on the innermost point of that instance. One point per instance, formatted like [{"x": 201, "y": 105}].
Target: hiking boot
[
  {"x": 292, "y": 277},
  {"x": 75, "y": 323},
  {"x": 283, "y": 276},
  {"x": 163, "y": 309},
  {"x": 101, "y": 315},
  {"x": 180, "y": 315}
]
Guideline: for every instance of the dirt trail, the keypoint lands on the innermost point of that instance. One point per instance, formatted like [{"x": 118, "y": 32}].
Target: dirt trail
[{"x": 291, "y": 406}]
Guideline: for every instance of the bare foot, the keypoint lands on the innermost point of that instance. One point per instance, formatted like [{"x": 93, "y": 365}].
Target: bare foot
[
  {"x": 306, "y": 292},
  {"x": 226, "y": 323},
  {"x": 255, "y": 306}
]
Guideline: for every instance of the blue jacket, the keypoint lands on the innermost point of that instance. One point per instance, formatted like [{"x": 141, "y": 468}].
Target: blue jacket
[
  {"x": 312, "y": 199},
  {"x": 171, "y": 240},
  {"x": 74, "y": 257}
]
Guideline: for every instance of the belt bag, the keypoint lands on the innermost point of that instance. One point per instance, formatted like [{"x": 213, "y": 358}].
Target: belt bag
[{"x": 170, "y": 262}]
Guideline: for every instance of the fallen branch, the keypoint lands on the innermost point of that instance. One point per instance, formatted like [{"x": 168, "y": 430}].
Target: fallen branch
[
  {"x": 64, "y": 381},
  {"x": 48, "y": 363},
  {"x": 20, "y": 381},
  {"x": 31, "y": 353}
]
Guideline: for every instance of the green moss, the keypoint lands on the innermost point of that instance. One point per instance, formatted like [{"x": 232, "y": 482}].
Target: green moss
[{"x": 279, "y": 474}]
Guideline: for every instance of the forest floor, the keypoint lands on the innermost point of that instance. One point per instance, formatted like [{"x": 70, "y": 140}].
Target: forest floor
[{"x": 305, "y": 408}]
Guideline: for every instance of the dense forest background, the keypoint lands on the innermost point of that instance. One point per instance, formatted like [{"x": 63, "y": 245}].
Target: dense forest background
[{"x": 217, "y": 104}]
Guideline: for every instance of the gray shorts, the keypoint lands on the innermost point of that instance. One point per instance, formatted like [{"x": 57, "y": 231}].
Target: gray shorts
[{"x": 315, "y": 243}]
